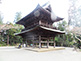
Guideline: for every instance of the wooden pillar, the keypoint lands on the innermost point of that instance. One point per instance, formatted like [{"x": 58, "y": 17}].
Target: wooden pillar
[
  {"x": 40, "y": 22},
  {"x": 26, "y": 43},
  {"x": 54, "y": 42},
  {"x": 33, "y": 42},
  {"x": 48, "y": 43},
  {"x": 39, "y": 41}
]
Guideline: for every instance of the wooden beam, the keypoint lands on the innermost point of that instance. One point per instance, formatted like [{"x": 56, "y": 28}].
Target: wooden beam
[
  {"x": 44, "y": 38},
  {"x": 51, "y": 41},
  {"x": 35, "y": 41},
  {"x": 43, "y": 41}
]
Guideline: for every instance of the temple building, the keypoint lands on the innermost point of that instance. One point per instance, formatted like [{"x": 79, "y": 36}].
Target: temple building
[{"x": 39, "y": 28}]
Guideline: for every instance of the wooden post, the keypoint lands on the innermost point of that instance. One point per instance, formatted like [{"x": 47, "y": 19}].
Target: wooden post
[
  {"x": 7, "y": 39},
  {"x": 40, "y": 22},
  {"x": 39, "y": 41},
  {"x": 54, "y": 41},
  {"x": 26, "y": 43},
  {"x": 33, "y": 42},
  {"x": 48, "y": 43}
]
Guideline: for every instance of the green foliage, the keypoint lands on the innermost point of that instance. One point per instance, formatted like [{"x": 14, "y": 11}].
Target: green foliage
[
  {"x": 1, "y": 18},
  {"x": 17, "y": 17},
  {"x": 78, "y": 44},
  {"x": 12, "y": 38},
  {"x": 66, "y": 39},
  {"x": 61, "y": 25},
  {"x": 63, "y": 39},
  {"x": 56, "y": 38},
  {"x": 2, "y": 43},
  {"x": 1, "y": 38},
  {"x": 10, "y": 32}
]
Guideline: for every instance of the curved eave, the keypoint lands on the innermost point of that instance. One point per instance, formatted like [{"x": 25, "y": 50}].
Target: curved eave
[
  {"x": 42, "y": 27},
  {"x": 58, "y": 19},
  {"x": 53, "y": 30},
  {"x": 22, "y": 21}
]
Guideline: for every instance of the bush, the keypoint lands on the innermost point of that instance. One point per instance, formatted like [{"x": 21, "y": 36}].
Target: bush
[{"x": 2, "y": 43}]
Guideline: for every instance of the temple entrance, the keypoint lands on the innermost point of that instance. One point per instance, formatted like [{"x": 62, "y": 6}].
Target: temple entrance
[{"x": 39, "y": 30}]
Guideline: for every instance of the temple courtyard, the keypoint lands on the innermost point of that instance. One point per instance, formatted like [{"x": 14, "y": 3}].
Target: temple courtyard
[{"x": 14, "y": 54}]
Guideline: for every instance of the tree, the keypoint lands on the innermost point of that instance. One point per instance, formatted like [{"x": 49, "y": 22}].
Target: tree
[
  {"x": 17, "y": 17},
  {"x": 1, "y": 18},
  {"x": 12, "y": 38},
  {"x": 0, "y": 1},
  {"x": 8, "y": 32},
  {"x": 59, "y": 38},
  {"x": 74, "y": 13},
  {"x": 8, "y": 35},
  {"x": 63, "y": 39}
]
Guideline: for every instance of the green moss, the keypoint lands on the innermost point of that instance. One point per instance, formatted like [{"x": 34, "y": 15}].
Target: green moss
[{"x": 80, "y": 49}]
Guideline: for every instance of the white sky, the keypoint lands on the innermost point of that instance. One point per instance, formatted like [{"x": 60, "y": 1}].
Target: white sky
[{"x": 10, "y": 7}]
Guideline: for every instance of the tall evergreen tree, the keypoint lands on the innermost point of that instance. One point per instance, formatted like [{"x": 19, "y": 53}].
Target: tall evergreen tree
[
  {"x": 0, "y": 2},
  {"x": 1, "y": 18},
  {"x": 17, "y": 17}
]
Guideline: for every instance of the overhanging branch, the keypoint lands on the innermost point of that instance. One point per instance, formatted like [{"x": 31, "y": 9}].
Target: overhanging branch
[{"x": 77, "y": 38}]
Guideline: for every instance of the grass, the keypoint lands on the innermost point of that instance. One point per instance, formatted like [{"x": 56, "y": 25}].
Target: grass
[{"x": 80, "y": 49}]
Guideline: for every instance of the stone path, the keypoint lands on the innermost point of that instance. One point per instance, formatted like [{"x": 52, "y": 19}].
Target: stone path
[{"x": 13, "y": 54}]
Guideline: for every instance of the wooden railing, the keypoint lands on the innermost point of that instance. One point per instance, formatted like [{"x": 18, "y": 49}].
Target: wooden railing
[
  {"x": 46, "y": 25},
  {"x": 40, "y": 23},
  {"x": 43, "y": 41}
]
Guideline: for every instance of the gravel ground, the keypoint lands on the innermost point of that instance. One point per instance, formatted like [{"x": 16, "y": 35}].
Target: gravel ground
[{"x": 13, "y": 54}]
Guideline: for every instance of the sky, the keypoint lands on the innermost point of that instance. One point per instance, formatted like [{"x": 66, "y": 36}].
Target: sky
[{"x": 9, "y": 7}]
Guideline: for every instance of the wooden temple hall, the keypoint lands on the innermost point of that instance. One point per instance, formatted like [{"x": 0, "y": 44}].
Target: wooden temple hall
[{"x": 38, "y": 29}]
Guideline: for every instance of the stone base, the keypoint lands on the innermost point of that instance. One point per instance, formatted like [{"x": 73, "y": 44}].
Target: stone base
[{"x": 43, "y": 49}]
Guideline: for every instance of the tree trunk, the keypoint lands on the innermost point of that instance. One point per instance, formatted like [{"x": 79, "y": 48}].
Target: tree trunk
[{"x": 7, "y": 39}]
